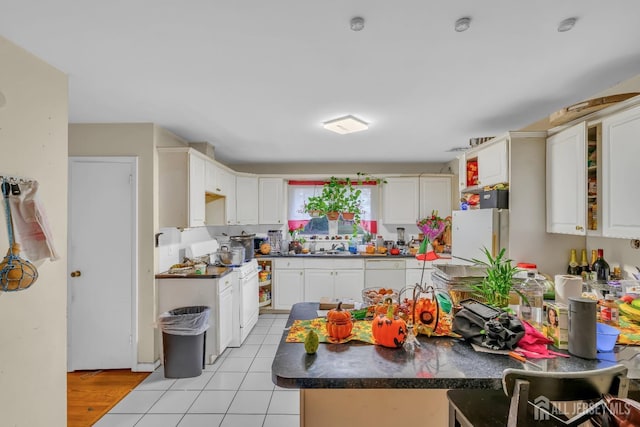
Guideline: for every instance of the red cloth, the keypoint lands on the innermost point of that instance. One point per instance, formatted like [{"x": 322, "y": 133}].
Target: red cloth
[{"x": 534, "y": 345}]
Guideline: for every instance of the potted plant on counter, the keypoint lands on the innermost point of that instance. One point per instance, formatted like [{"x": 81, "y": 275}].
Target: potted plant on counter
[{"x": 496, "y": 286}]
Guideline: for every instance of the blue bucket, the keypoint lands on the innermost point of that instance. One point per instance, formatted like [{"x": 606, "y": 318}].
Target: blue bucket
[{"x": 606, "y": 337}]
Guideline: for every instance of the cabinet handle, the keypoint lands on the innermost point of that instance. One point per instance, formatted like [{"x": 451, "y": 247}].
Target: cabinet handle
[
  {"x": 76, "y": 274},
  {"x": 579, "y": 228},
  {"x": 301, "y": 273}
]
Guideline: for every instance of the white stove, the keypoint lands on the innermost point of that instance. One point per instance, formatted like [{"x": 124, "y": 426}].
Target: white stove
[
  {"x": 245, "y": 301},
  {"x": 245, "y": 291}
]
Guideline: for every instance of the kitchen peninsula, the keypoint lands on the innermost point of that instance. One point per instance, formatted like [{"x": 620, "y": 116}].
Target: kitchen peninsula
[{"x": 360, "y": 384}]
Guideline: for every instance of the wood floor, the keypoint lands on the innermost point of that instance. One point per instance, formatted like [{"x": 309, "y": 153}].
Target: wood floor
[{"x": 91, "y": 394}]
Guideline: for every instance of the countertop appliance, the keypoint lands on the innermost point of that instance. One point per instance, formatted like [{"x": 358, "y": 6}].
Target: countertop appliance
[
  {"x": 475, "y": 229},
  {"x": 384, "y": 273}
]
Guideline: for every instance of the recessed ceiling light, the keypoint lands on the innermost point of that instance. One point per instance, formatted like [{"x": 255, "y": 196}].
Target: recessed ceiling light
[
  {"x": 346, "y": 124},
  {"x": 567, "y": 24},
  {"x": 462, "y": 24}
]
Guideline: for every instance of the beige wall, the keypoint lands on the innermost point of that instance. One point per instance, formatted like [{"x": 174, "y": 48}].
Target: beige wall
[
  {"x": 33, "y": 143},
  {"x": 140, "y": 140}
]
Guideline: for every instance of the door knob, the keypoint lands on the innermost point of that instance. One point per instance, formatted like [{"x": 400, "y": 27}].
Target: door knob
[{"x": 75, "y": 273}]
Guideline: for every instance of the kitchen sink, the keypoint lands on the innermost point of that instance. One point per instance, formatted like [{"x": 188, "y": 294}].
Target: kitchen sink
[{"x": 329, "y": 253}]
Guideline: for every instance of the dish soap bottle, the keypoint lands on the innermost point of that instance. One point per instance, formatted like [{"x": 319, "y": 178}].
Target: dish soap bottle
[{"x": 531, "y": 295}]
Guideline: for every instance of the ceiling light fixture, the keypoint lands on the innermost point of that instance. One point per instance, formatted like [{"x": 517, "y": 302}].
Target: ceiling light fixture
[
  {"x": 462, "y": 24},
  {"x": 357, "y": 23},
  {"x": 566, "y": 24},
  {"x": 345, "y": 125}
]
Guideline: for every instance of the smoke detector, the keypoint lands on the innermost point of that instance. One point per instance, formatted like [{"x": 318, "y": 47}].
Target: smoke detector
[{"x": 357, "y": 23}]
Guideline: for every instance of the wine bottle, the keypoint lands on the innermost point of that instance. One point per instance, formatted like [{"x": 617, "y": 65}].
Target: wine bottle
[
  {"x": 584, "y": 266},
  {"x": 601, "y": 267},
  {"x": 573, "y": 268}
]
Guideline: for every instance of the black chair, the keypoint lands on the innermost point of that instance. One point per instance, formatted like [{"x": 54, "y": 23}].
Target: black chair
[{"x": 538, "y": 398}]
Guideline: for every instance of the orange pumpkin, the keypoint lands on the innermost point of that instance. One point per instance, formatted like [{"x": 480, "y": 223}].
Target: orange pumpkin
[
  {"x": 339, "y": 323},
  {"x": 389, "y": 330}
]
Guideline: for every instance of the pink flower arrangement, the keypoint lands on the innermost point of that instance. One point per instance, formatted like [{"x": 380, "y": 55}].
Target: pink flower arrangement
[{"x": 432, "y": 226}]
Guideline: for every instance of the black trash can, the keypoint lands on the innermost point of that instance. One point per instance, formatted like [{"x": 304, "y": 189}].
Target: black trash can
[{"x": 183, "y": 340}]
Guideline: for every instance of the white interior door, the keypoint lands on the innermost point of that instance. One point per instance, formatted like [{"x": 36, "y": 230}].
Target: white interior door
[{"x": 101, "y": 263}]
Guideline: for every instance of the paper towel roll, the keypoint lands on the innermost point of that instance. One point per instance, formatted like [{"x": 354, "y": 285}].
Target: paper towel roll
[{"x": 567, "y": 286}]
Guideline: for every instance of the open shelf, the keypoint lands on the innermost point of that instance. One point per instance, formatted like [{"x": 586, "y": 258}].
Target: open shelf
[
  {"x": 265, "y": 303},
  {"x": 265, "y": 283}
]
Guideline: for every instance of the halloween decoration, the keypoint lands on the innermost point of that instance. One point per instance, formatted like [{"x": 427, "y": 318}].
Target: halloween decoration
[
  {"x": 339, "y": 323},
  {"x": 389, "y": 330}
]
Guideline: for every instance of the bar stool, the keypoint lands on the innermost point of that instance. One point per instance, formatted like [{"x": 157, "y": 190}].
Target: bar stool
[{"x": 535, "y": 398}]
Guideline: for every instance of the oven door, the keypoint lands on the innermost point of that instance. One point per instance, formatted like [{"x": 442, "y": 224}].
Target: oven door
[{"x": 249, "y": 308}]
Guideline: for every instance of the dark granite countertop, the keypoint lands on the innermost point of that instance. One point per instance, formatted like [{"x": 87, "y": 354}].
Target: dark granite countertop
[
  {"x": 213, "y": 272},
  {"x": 444, "y": 257},
  {"x": 439, "y": 363}
]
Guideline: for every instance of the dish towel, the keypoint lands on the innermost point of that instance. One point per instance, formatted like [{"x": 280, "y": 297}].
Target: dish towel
[
  {"x": 534, "y": 345},
  {"x": 30, "y": 223}
]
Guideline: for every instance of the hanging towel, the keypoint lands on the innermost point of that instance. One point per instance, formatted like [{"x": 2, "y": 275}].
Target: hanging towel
[{"x": 30, "y": 223}]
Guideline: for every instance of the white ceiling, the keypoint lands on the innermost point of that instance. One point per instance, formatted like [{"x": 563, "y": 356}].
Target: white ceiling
[{"x": 257, "y": 78}]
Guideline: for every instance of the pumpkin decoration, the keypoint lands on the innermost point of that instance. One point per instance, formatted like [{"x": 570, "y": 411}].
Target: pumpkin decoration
[
  {"x": 339, "y": 323},
  {"x": 429, "y": 317},
  {"x": 426, "y": 312},
  {"x": 389, "y": 330},
  {"x": 265, "y": 248}
]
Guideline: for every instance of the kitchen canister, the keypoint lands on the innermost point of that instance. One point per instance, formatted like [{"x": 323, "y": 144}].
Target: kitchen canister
[
  {"x": 582, "y": 328},
  {"x": 567, "y": 286}
]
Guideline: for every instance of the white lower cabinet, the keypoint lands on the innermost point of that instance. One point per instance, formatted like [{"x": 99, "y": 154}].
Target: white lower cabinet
[
  {"x": 288, "y": 283},
  {"x": 225, "y": 312},
  {"x": 333, "y": 278},
  {"x": 214, "y": 293}
]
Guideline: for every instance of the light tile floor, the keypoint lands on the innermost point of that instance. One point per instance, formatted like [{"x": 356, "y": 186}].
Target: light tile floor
[{"x": 236, "y": 391}]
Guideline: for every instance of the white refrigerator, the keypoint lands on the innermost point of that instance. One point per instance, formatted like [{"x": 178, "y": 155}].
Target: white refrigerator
[{"x": 476, "y": 229}]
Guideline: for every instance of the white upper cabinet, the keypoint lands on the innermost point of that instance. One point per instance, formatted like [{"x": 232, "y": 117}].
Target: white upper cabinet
[
  {"x": 271, "y": 201},
  {"x": 181, "y": 183},
  {"x": 211, "y": 176},
  {"x": 620, "y": 174},
  {"x": 485, "y": 165},
  {"x": 196, "y": 191},
  {"x": 566, "y": 181},
  {"x": 227, "y": 182},
  {"x": 400, "y": 200},
  {"x": 247, "y": 200},
  {"x": 493, "y": 166},
  {"x": 435, "y": 195}
]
